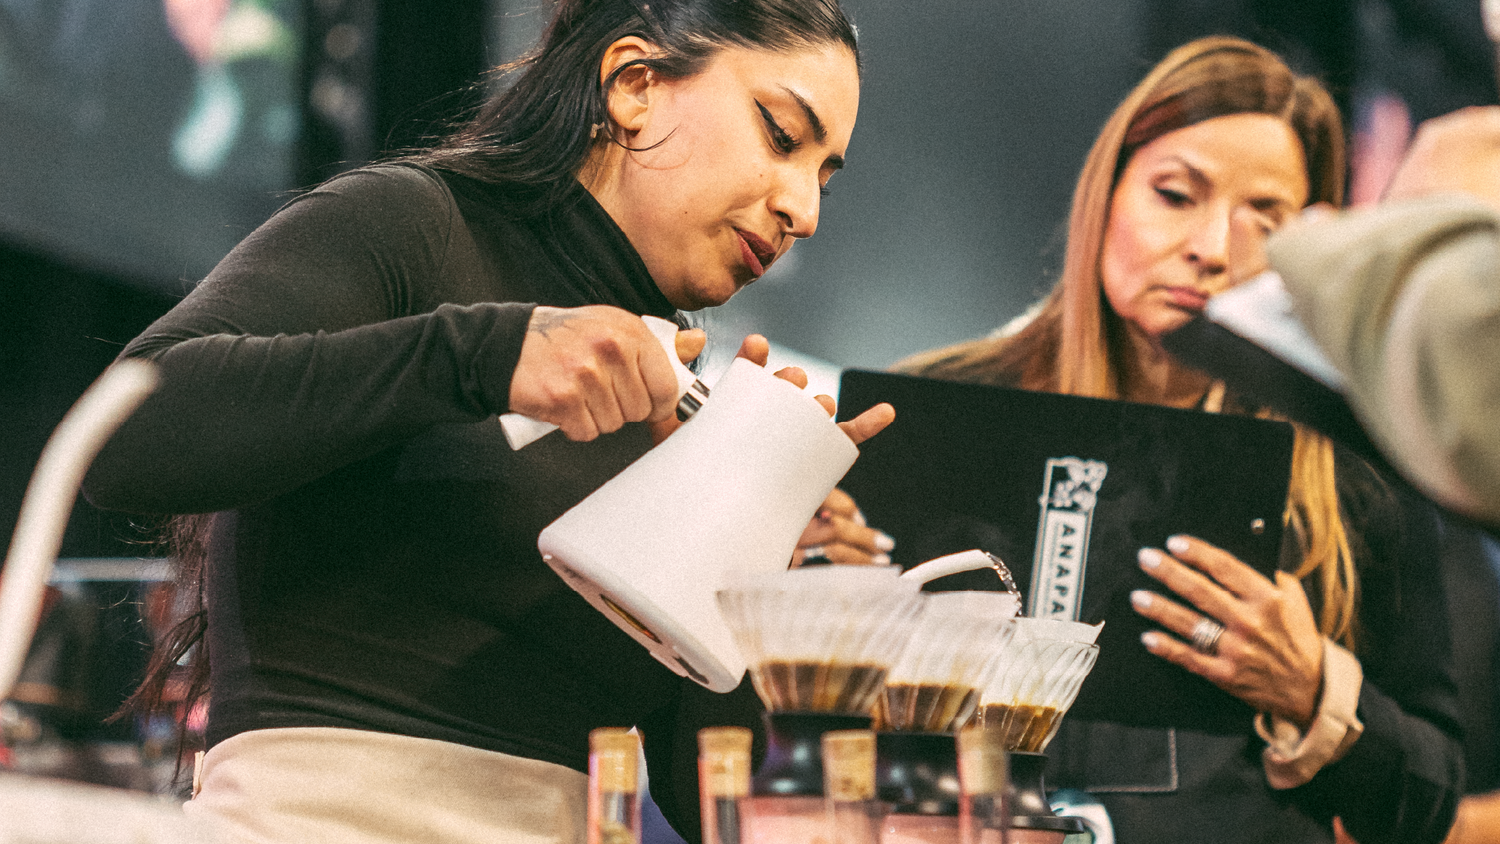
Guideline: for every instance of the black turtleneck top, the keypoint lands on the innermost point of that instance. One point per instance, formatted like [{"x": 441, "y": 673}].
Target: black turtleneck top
[{"x": 330, "y": 393}]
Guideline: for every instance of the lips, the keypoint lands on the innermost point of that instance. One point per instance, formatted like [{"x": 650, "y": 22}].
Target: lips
[
  {"x": 758, "y": 254},
  {"x": 1187, "y": 298}
]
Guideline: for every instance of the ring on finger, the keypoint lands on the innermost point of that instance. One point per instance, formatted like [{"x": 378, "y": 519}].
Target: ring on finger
[{"x": 1205, "y": 636}]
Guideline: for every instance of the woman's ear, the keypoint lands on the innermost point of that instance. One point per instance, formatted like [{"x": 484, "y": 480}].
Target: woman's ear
[{"x": 628, "y": 99}]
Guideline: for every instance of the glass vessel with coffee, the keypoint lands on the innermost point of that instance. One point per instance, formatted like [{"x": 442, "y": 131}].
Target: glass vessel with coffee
[
  {"x": 931, "y": 692},
  {"x": 983, "y": 781},
  {"x": 854, "y": 813},
  {"x": 819, "y": 643},
  {"x": 1036, "y": 679},
  {"x": 723, "y": 782}
]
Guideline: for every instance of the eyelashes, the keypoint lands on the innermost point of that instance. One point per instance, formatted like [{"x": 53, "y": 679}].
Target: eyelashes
[
  {"x": 1174, "y": 198},
  {"x": 782, "y": 141}
]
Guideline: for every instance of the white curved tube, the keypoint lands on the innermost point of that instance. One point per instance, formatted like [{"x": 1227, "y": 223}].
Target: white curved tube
[
  {"x": 54, "y": 485},
  {"x": 950, "y": 564}
]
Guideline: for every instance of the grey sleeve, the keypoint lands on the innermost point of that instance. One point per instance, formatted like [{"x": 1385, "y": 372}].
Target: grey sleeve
[{"x": 1405, "y": 300}]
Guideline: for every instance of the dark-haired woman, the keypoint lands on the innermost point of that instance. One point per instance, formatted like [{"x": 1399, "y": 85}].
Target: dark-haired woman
[
  {"x": 390, "y": 659},
  {"x": 1345, "y": 654}
]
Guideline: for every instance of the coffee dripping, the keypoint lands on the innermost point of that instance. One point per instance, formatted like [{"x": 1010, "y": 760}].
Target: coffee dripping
[
  {"x": 808, "y": 686},
  {"x": 1024, "y": 727},
  {"x": 836, "y": 648},
  {"x": 823, "y": 638},
  {"x": 818, "y": 642}
]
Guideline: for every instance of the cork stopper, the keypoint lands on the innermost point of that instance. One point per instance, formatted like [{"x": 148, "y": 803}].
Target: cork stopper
[
  {"x": 983, "y": 766},
  {"x": 724, "y": 761},
  {"x": 849, "y": 765},
  {"x": 614, "y": 757}
]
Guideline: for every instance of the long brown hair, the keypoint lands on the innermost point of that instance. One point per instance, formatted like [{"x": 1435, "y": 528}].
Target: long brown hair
[{"x": 1065, "y": 347}]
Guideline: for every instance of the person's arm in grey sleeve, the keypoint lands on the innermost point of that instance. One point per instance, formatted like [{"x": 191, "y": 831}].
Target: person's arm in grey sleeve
[{"x": 1405, "y": 301}]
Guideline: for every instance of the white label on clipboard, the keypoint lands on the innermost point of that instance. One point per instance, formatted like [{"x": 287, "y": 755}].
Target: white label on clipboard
[{"x": 1069, "y": 491}]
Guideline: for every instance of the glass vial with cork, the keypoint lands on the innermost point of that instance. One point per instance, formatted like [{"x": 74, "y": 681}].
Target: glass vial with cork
[
  {"x": 854, "y": 813},
  {"x": 723, "y": 782},
  {"x": 614, "y": 787},
  {"x": 983, "y": 779}
]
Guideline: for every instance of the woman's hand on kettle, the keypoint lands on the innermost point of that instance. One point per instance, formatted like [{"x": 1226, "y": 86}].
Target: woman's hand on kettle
[
  {"x": 838, "y": 534},
  {"x": 592, "y": 369},
  {"x": 1270, "y": 653}
]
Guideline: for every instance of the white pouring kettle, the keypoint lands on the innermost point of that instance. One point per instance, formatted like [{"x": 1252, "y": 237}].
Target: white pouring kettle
[{"x": 731, "y": 490}]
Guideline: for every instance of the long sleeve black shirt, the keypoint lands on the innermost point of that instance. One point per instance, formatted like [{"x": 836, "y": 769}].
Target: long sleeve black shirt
[{"x": 330, "y": 393}]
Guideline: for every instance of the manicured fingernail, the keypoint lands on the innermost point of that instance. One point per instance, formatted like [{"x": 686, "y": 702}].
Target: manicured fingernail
[
  {"x": 1149, "y": 558},
  {"x": 1140, "y": 599},
  {"x": 881, "y": 560},
  {"x": 1150, "y": 639},
  {"x": 884, "y": 542},
  {"x": 859, "y": 519},
  {"x": 1177, "y": 544}
]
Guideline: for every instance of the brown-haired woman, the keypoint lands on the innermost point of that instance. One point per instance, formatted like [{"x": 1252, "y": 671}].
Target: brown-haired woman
[{"x": 1218, "y": 146}]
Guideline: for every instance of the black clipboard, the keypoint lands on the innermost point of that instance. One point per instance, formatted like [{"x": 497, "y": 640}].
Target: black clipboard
[{"x": 975, "y": 466}]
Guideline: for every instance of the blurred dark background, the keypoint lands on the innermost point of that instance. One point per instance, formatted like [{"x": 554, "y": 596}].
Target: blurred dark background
[{"x": 141, "y": 139}]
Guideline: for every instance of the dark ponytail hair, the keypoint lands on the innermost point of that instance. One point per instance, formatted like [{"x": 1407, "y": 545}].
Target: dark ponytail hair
[{"x": 539, "y": 131}]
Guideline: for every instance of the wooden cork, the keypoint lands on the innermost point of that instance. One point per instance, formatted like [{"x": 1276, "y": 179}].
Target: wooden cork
[
  {"x": 849, "y": 765},
  {"x": 614, "y": 759},
  {"x": 983, "y": 766},
  {"x": 724, "y": 761}
]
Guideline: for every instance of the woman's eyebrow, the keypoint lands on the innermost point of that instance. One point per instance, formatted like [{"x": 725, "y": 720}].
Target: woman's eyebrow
[
  {"x": 1194, "y": 173},
  {"x": 820, "y": 132}
]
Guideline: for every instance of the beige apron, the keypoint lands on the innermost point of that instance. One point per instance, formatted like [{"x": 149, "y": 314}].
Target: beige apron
[{"x": 339, "y": 786}]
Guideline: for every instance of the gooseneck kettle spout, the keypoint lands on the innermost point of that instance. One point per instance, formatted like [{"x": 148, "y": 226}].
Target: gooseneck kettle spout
[{"x": 970, "y": 560}]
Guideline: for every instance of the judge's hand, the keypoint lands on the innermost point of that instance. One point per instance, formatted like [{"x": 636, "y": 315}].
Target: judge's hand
[
  {"x": 1270, "y": 654},
  {"x": 590, "y": 370},
  {"x": 838, "y": 534},
  {"x": 1456, "y": 152}
]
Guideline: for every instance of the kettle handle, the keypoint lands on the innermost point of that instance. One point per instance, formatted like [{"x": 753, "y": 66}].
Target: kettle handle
[{"x": 962, "y": 561}]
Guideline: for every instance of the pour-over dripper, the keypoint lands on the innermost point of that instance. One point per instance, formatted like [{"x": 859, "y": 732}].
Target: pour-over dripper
[
  {"x": 1036, "y": 679},
  {"x": 931, "y": 692},
  {"x": 818, "y": 642},
  {"x": 820, "y": 639},
  {"x": 935, "y": 685}
]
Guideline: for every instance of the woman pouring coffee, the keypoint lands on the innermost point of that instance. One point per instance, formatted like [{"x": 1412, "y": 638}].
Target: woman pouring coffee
[{"x": 390, "y": 658}]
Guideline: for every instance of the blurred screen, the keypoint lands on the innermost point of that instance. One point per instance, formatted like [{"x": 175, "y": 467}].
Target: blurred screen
[{"x": 146, "y": 137}]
